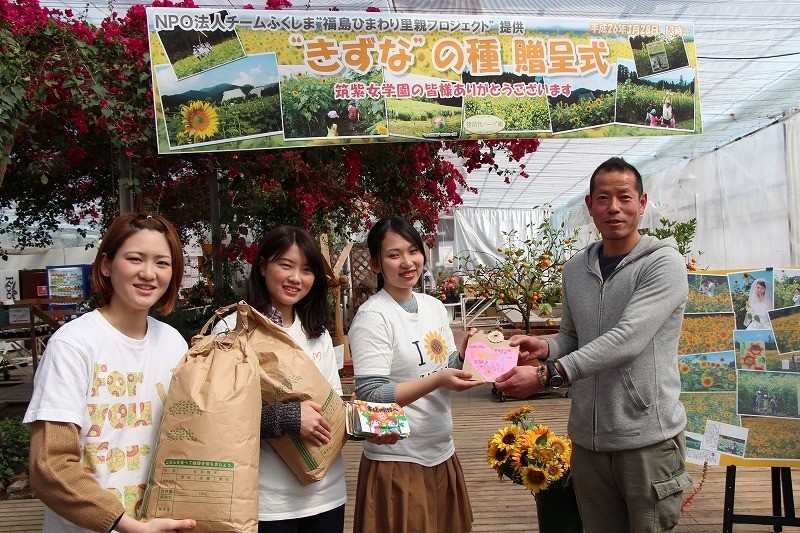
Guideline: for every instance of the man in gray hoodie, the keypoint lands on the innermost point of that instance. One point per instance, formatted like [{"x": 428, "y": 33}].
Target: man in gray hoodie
[{"x": 623, "y": 300}]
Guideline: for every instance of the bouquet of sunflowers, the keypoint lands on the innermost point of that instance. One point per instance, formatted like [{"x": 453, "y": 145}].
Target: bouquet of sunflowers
[{"x": 529, "y": 453}]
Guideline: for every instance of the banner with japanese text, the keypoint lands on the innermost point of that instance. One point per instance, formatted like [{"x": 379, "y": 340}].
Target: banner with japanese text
[{"x": 246, "y": 79}]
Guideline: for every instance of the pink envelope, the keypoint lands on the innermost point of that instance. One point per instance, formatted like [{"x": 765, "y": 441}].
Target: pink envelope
[{"x": 488, "y": 360}]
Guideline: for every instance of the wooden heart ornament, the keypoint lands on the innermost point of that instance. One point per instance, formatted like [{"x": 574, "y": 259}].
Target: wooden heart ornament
[{"x": 487, "y": 359}]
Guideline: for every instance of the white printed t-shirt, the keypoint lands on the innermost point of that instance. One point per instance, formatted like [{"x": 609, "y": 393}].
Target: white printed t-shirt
[
  {"x": 113, "y": 388},
  {"x": 386, "y": 340},
  {"x": 281, "y": 496}
]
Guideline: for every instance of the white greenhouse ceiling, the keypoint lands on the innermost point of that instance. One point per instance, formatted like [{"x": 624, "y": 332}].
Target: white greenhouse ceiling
[{"x": 748, "y": 71}]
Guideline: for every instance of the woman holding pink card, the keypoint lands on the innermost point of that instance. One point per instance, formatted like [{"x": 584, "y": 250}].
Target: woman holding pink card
[{"x": 403, "y": 351}]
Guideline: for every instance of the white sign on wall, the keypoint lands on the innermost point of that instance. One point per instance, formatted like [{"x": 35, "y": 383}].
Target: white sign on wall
[{"x": 10, "y": 284}]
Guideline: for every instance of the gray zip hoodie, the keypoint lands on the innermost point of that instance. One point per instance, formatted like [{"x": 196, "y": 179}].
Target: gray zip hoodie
[{"x": 618, "y": 344}]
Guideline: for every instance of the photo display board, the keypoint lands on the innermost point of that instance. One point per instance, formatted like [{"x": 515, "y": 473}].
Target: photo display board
[
  {"x": 739, "y": 360},
  {"x": 247, "y": 79}
]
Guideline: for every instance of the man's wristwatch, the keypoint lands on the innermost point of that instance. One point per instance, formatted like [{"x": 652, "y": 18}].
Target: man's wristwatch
[{"x": 556, "y": 380}]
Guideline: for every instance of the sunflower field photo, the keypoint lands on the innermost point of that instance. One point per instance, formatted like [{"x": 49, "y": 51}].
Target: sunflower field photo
[
  {"x": 200, "y": 110},
  {"x": 711, "y": 332},
  {"x": 772, "y": 437},
  {"x": 702, "y": 406},
  {"x": 707, "y": 372}
]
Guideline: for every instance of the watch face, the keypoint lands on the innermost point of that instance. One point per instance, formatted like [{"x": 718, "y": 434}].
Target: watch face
[{"x": 556, "y": 379}]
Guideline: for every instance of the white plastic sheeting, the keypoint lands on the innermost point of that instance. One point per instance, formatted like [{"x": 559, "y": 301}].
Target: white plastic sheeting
[
  {"x": 744, "y": 196},
  {"x": 479, "y": 232}
]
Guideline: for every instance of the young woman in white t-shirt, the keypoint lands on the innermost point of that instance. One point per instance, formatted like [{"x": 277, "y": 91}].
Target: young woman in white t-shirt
[
  {"x": 403, "y": 351},
  {"x": 100, "y": 388},
  {"x": 287, "y": 284}
]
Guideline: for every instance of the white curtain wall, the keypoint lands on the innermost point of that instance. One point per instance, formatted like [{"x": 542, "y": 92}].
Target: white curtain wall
[
  {"x": 479, "y": 231},
  {"x": 745, "y": 196}
]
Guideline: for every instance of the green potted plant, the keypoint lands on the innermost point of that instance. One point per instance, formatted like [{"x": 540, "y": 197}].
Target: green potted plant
[{"x": 527, "y": 274}]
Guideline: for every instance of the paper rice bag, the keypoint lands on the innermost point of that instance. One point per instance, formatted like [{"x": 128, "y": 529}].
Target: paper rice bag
[
  {"x": 206, "y": 459},
  {"x": 288, "y": 374}
]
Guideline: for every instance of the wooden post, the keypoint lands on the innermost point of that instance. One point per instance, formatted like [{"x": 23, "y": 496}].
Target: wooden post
[
  {"x": 124, "y": 165},
  {"x": 216, "y": 239},
  {"x": 335, "y": 282}
]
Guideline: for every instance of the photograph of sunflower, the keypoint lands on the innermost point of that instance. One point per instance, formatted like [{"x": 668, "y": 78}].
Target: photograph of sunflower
[
  {"x": 239, "y": 101},
  {"x": 708, "y": 372},
  {"x": 529, "y": 453}
]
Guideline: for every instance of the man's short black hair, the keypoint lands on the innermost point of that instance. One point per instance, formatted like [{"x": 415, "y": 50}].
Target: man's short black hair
[{"x": 617, "y": 164}]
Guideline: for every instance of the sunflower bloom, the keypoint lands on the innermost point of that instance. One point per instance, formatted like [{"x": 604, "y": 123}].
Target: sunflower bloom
[
  {"x": 539, "y": 431},
  {"x": 381, "y": 129},
  {"x": 200, "y": 120},
  {"x": 547, "y": 455},
  {"x": 496, "y": 455},
  {"x": 521, "y": 457},
  {"x": 707, "y": 381},
  {"x": 535, "y": 453},
  {"x": 518, "y": 414},
  {"x": 560, "y": 445},
  {"x": 506, "y": 438},
  {"x": 684, "y": 368},
  {"x": 534, "y": 478},
  {"x": 553, "y": 470},
  {"x": 529, "y": 453}
]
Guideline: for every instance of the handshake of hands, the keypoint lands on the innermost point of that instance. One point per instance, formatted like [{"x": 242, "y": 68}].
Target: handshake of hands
[{"x": 525, "y": 379}]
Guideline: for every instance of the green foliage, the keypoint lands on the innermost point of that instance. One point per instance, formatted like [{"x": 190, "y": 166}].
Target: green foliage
[
  {"x": 308, "y": 99},
  {"x": 587, "y": 112},
  {"x": 785, "y": 385},
  {"x": 14, "y": 445},
  {"x": 12, "y": 92},
  {"x": 683, "y": 232},
  {"x": 222, "y": 52},
  {"x": 528, "y": 274},
  {"x": 635, "y": 100},
  {"x": 520, "y": 114},
  {"x": 784, "y": 290},
  {"x": 673, "y": 46}
]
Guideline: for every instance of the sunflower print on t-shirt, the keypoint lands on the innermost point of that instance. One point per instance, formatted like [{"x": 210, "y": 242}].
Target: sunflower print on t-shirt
[{"x": 435, "y": 346}]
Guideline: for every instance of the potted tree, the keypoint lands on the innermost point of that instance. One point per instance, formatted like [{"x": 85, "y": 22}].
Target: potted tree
[{"x": 526, "y": 276}]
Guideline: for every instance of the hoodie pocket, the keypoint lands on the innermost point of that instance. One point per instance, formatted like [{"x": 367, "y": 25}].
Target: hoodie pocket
[{"x": 626, "y": 406}]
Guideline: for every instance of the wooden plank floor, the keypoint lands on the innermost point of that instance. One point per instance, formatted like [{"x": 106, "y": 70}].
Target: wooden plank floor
[{"x": 505, "y": 507}]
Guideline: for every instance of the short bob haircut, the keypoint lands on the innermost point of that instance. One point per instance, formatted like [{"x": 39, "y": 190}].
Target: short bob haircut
[
  {"x": 121, "y": 229},
  {"x": 313, "y": 308},
  {"x": 395, "y": 225}
]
